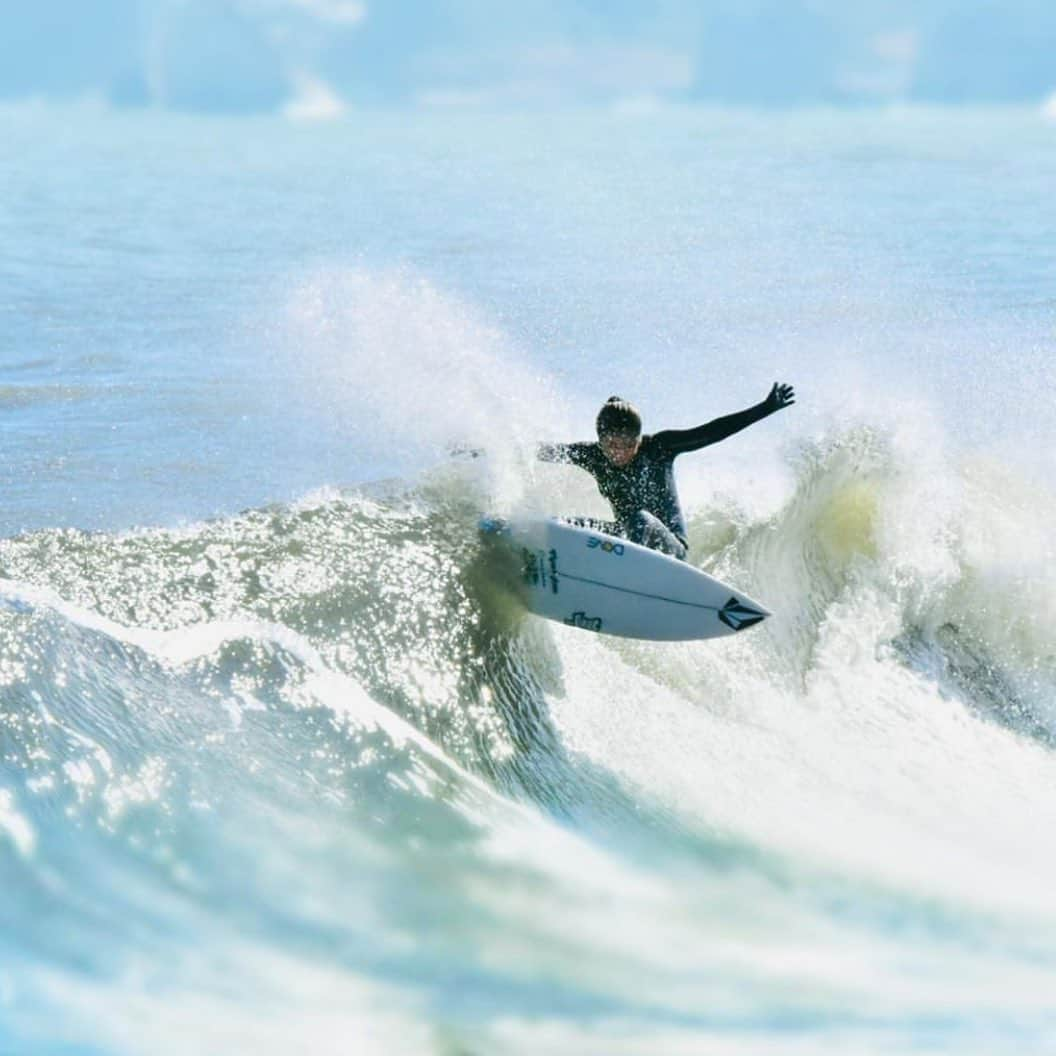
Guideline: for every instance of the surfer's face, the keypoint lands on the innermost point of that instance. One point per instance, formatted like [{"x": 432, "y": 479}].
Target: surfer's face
[{"x": 619, "y": 448}]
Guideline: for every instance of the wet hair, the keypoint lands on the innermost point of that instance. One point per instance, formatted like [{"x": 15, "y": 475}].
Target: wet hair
[{"x": 618, "y": 416}]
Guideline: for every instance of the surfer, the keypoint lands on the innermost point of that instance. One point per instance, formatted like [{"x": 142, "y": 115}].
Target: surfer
[{"x": 636, "y": 473}]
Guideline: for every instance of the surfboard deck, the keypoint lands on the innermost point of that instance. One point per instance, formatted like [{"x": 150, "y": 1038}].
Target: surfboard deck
[{"x": 585, "y": 578}]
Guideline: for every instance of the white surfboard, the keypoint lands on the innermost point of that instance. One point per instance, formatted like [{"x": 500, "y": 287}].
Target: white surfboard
[{"x": 585, "y": 578}]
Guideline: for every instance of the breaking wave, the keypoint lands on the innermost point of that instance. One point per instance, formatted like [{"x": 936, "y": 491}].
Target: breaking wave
[{"x": 318, "y": 731}]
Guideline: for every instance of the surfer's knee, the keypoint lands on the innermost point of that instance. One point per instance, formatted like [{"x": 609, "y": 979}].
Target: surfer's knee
[
  {"x": 647, "y": 529},
  {"x": 639, "y": 528}
]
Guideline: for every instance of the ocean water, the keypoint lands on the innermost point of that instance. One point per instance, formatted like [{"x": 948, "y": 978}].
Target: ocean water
[{"x": 281, "y": 772}]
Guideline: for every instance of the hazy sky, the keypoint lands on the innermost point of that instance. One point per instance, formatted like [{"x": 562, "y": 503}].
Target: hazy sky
[{"x": 258, "y": 55}]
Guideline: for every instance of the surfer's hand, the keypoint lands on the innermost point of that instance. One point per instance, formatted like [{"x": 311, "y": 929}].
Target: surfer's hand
[{"x": 781, "y": 395}]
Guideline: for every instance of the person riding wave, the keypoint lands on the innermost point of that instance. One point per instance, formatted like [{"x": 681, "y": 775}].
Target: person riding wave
[{"x": 636, "y": 473}]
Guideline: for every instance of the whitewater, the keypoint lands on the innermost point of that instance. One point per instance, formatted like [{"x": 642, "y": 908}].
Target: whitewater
[{"x": 282, "y": 769}]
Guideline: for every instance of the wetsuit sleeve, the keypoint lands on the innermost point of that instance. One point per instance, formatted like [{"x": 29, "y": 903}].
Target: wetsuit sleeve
[
  {"x": 679, "y": 441},
  {"x": 576, "y": 454}
]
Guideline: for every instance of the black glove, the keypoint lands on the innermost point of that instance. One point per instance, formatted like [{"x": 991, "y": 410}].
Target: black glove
[{"x": 780, "y": 396}]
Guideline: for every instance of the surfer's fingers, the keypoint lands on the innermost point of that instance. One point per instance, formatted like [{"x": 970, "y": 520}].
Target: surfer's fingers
[{"x": 781, "y": 395}]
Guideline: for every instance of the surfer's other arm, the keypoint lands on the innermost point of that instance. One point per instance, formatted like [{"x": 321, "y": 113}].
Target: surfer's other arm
[
  {"x": 682, "y": 440},
  {"x": 576, "y": 454}
]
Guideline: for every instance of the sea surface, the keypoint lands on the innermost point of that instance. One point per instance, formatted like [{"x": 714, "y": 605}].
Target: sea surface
[{"x": 282, "y": 772}]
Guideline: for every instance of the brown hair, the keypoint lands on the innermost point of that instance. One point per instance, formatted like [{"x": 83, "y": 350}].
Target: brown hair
[{"x": 618, "y": 416}]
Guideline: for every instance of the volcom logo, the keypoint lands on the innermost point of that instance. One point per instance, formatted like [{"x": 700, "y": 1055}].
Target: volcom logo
[
  {"x": 581, "y": 619},
  {"x": 739, "y": 616}
]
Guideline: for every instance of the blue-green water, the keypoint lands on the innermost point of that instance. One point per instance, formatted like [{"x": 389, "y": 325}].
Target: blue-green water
[{"x": 279, "y": 770}]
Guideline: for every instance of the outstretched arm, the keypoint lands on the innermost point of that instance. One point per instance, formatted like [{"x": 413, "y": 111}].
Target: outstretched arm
[
  {"x": 576, "y": 454},
  {"x": 679, "y": 441}
]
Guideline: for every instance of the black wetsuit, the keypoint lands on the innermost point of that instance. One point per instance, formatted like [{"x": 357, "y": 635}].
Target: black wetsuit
[{"x": 642, "y": 493}]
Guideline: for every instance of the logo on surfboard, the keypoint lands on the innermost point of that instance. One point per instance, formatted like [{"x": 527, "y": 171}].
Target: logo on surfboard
[
  {"x": 738, "y": 616},
  {"x": 539, "y": 569},
  {"x": 581, "y": 619}
]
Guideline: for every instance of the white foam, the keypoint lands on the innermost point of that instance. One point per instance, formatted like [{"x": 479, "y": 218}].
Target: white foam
[
  {"x": 410, "y": 372},
  {"x": 813, "y": 734}
]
